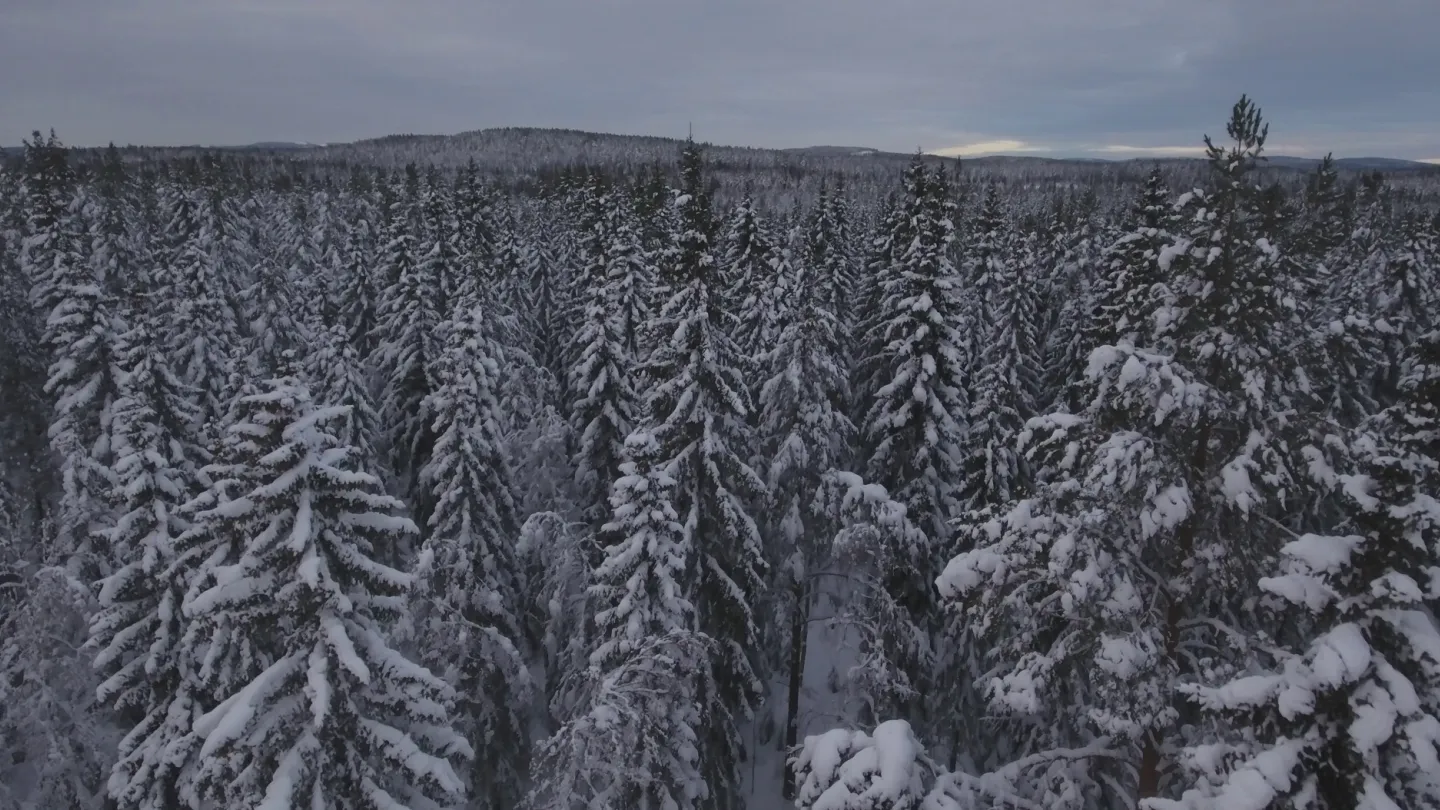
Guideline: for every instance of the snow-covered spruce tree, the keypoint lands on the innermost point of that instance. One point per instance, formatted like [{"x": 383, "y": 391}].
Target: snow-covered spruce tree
[
  {"x": 502, "y": 278},
  {"x": 890, "y": 768},
  {"x": 914, "y": 428},
  {"x": 1122, "y": 298},
  {"x": 215, "y": 657},
  {"x": 1071, "y": 290},
  {"x": 359, "y": 292},
  {"x": 334, "y": 717},
  {"x": 638, "y": 738},
  {"x": 137, "y": 631},
  {"x": 276, "y": 323},
  {"x": 1131, "y": 268},
  {"x": 78, "y": 335},
  {"x": 473, "y": 203},
  {"x": 339, "y": 374},
  {"x": 828, "y": 246},
  {"x": 1058, "y": 583},
  {"x": 24, "y": 411},
  {"x": 1406, "y": 271},
  {"x": 1325, "y": 218},
  {"x": 408, "y": 341},
  {"x": 1348, "y": 714},
  {"x": 469, "y": 573},
  {"x": 829, "y": 536},
  {"x": 634, "y": 276},
  {"x": 1002, "y": 393},
  {"x": 58, "y": 741},
  {"x": 81, "y": 334},
  {"x": 697, "y": 411},
  {"x": 604, "y": 410},
  {"x": 443, "y": 261},
  {"x": 317, "y": 261},
  {"x": 205, "y": 335},
  {"x": 805, "y": 434},
  {"x": 987, "y": 239},
  {"x": 52, "y": 239},
  {"x": 745, "y": 273},
  {"x": 893, "y": 234},
  {"x": 545, "y": 310}
]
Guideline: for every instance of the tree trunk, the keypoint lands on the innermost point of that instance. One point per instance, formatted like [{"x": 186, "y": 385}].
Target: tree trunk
[
  {"x": 799, "y": 630},
  {"x": 1149, "y": 778}
]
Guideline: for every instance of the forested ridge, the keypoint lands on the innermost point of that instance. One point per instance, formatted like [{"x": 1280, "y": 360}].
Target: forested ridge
[{"x": 490, "y": 473}]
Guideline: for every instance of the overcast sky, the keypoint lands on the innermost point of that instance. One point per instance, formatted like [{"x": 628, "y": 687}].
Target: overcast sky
[{"x": 1050, "y": 77}]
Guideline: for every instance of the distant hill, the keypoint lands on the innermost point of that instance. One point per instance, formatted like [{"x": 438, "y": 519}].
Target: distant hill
[
  {"x": 839, "y": 151},
  {"x": 528, "y": 149},
  {"x": 271, "y": 146},
  {"x": 1359, "y": 164}
]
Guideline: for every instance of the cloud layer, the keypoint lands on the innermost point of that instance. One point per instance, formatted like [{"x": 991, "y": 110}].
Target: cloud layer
[{"x": 1055, "y": 77}]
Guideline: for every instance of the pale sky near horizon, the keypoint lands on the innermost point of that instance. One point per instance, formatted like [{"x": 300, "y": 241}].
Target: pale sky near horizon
[{"x": 1104, "y": 78}]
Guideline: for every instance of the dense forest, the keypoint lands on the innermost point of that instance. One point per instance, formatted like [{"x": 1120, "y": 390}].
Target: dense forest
[{"x": 548, "y": 470}]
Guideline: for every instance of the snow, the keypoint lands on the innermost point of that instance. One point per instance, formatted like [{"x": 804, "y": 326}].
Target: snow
[
  {"x": 1322, "y": 554},
  {"x": 227, "y": 722},
  {"x": 1168, "y": 509},
  {"x": 1340, "y": 657}
]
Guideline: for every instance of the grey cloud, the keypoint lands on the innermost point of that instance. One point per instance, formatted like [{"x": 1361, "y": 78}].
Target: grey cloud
[{"x": 1068, "y": 75}]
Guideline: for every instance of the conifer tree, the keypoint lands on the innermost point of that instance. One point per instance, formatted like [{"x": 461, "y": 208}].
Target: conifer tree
[
  {"x": 914, "y": 428},
  {"x": 986, "y": 252},
  {"x": 1348, "y": 714},
  {"x": 52, "y": 237},
  {"x": 698, "y": 410},
  {"x": 1162, "y": 489},
  {"x": 472, "y": 577},
  {"x": 334, "y": 716},
  {"x": 277, "y": 325},
  {"x": 745, "y": 272},
  {"x": 24, "y": 412},
  {"x": 358, "y": 291},
  {"x": 1003, "y": 392},
  {"x": 545, "y": 306},
  {"x": 442, "y": 258},
  {"x": 339, "y": 373},
  {"x": 634, "y": 277},
  {"x": 1324, "y": 222},
  {"x": 805, "y": 436},
  {"x": 408, "y": 343},
  {"x": 827, "y": 249},
  {"x": 204, "y": 330},
  {"x": 604, "y": 411},
  {"x": 638, "y": 740},
  {"x": 137, "y": 632},
  {"x": 1131, "y": 269},
  {"x": 82, "y": 332},
  {"x": 1406, "y": 270},
  {"x": 893, "y": 234}
]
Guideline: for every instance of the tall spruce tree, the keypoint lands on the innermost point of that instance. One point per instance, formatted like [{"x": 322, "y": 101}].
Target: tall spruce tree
[
  {"x": 638, "y": 739},
  {"x": 698, "y": 410},
  {"x": 601, "y": 375},
  {"x": 745, "y": 273},
  {"x": 915, "y": 427},
  {"x": 138, "y": 631},
  {"x": 334, "y": 717},
  {"x": 471, "y": 578},
  {"x": 82, "y": 335},
  {"x": 408, "y": 341}
]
